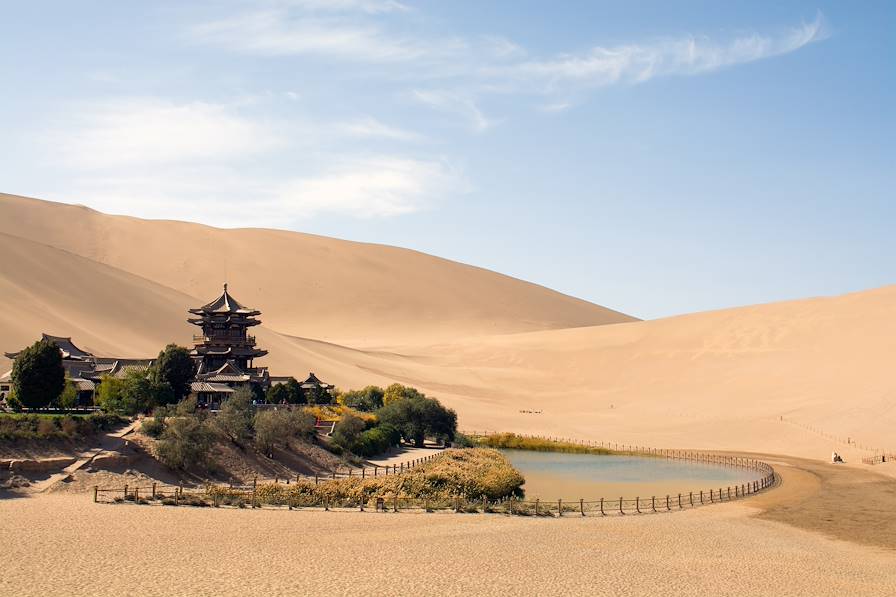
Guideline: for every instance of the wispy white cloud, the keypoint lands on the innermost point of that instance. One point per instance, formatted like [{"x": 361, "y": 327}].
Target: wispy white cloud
[
  {"x": 373, "y": 128},
  {"x": 379, "y": 186},
  {"x": 213, "y": 162},
  {"x": 281, "y": 32},
  {"x": 637, "y": 63},
  {"x": 365, "y": 6},
  {"x": 455, "y": 103},
  {"x": 368, "y": 187},
  {"x": 151, "y": 131}
]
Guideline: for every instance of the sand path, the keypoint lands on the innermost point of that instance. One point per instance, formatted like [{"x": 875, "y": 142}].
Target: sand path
[{"x": 109, "y": 441}]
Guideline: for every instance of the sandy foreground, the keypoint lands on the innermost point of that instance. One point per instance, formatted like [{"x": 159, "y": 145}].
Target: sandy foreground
[{"x": 67, "y": 544}]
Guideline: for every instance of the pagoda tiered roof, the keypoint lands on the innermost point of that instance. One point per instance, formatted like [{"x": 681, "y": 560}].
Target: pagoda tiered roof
[{"x": 223, "y": 305}]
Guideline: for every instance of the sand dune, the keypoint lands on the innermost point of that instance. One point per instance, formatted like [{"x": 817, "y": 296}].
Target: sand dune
[
  {"x": 306, "y": 285},
  {"x": 488, "y": 345}
]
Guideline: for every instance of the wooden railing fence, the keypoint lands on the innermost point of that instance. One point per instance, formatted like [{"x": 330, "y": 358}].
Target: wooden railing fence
[{"x": 242, "y": 496}]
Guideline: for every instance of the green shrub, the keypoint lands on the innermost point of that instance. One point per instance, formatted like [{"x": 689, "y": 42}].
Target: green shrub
[
  {"x": 153, "y": 427},
  {"x": 185, "y": 442},
  {"x": 272, "y": 428},
  {"x": 347, "y": 431},
  {"x": 234, "y": 421}
]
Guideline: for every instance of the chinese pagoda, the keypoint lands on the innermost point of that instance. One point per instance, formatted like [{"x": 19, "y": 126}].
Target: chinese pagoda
[{"x": 225, "y": 351}]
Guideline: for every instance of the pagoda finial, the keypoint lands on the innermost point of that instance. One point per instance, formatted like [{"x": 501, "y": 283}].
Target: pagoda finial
[{"x": 225, "y": 286}]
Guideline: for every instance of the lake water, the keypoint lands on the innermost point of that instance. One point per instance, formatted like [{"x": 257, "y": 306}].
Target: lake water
[{"x": 554, "y": 475}]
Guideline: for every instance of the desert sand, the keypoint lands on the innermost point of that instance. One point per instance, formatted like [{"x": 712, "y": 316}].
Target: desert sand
[
  {"x": 57, "y": 546},
  {"x": 791, "y": 381}
]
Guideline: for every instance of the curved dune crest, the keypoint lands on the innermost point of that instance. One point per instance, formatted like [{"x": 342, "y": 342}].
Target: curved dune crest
[{"x": 307, "y": 285}]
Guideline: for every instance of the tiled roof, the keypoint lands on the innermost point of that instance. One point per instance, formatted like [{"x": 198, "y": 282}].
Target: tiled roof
[
  {"x": 202, "y": 386},
  {"x": 225, "y": 304}
]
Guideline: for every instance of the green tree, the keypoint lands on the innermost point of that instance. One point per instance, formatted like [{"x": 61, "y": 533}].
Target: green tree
[
  {"x": 176, "y": 368},
  {"x": 369, "y": 399},
  {"x": 38, "y": 377},
  {"x": 318, "y": 395},
  {"x": 272, "y": 428},
  {"x": 417, "y": 417},
  {"x": 234, "y": 420},
  {"x": 296, "y": 393},
  {"x": 185, "y": 442},
  {"x": 347, "y": 430},
  {"x": 134, "y": 393},
  {"x": 69, "y": 396},
  {"x": 277, "y": 393}
]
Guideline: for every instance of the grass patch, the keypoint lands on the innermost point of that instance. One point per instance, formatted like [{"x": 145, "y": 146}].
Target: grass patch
[
  {"x": 46, "y": 426},
  {"x": 512, "y": 441},
  {"x": 470, "y": 474}
]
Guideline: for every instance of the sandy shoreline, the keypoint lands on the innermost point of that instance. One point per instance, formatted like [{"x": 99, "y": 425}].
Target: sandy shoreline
[
  {"x": 787, "y": 541},
  {"x": 68, "y": 544}
]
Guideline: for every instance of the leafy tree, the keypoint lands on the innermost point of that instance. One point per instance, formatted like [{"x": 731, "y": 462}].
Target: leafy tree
[
  {"x": 235, "y": 418},
  {"x": 272, "y": 428},
  {"x": 131, "y": 394},
  {"x": 417, "y": 417},
  {"x": 347, "y": 430},
  {"x": 277, "y": 394},
  {"x": 369, "y": 399},
  {"x": 397, "y": 391},
  {"x": 318, "y": 395},
  {"x": 176, "y": 368},
  {"x": 69, "y": 396},
  {"x": 38, "y": 377},
  {"x": 185, "y": 442},
  {"x": 296, "y": 393}
]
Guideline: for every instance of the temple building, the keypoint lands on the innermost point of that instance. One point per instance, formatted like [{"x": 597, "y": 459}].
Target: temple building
[
  {"x": 82, "y": 368},
  {"x": 225, "y": 351}
]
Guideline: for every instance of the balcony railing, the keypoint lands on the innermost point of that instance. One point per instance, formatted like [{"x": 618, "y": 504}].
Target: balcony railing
[{"x": 200, "y": 339}]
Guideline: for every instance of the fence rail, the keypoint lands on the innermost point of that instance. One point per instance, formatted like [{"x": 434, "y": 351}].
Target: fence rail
[{"x": 247, "y": 495}]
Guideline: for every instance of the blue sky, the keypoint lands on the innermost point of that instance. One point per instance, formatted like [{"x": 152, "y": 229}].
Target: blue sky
[{"x": 657, "y": 159}]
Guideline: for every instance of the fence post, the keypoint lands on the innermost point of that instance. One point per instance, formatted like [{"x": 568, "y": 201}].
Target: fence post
[
  {"x": 361, "y": 503},
  {"x": 638, "y": 504},
  {"x": 653, "y": 503},
  {"x": 621, "y": 511},
  {"x": 254, "y": 482},
  {"x": 176, "y": 496},
  {"x": 153, "y": 490},
  {"x": 701, "y": 496},
  {"x": 363, "y": 473},
  {"x": 125, "y": 491},
  {"x": 667, "y": 503},
  {"x": 602, "y": 513},
  {"x": 559, "y": 507},
  {"x": 394, "y": 469},
  {"x": 395, "y": 503},
  {"x": 297, "y": 478},
  {"x": 679, "y": 501},
  {"x": 96, "y": 490},
  {"x": 326, "y": 504},
  {"x": 315, "y": 478},
  {"x": 136, "y": 494},
  {"x": 536, "y": 506},
  {"x": 375, "y": 467}
]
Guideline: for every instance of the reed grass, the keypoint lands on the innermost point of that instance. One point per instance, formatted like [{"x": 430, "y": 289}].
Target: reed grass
[{"x": 512, "y": 441}]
